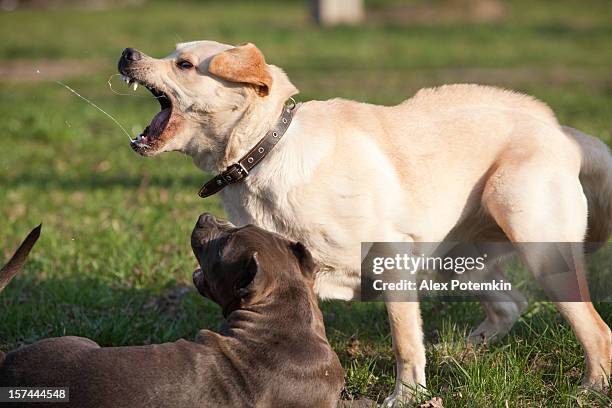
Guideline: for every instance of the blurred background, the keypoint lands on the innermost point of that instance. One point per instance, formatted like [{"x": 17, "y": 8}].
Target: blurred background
[{"x": 114, "y": 261}]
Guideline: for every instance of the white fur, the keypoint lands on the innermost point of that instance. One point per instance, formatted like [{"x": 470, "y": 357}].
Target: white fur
[{"x": 462, "y": 161}]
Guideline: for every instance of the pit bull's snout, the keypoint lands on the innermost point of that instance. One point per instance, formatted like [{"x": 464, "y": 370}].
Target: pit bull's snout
[
  {"x": 208, "y": 221},
  {"x": 205, "y": 219},
  {"x": 207, "y": 228}
]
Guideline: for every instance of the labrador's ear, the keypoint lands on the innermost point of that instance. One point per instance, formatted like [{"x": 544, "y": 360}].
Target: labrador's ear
[
  {"x": 304, "y": 257},
  {"x": 245, "y": 283},
  {"x": 243, "y": 63}
]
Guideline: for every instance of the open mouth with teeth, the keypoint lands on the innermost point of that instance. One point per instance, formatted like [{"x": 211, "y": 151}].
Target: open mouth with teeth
[{"x": 162, "y": 124}]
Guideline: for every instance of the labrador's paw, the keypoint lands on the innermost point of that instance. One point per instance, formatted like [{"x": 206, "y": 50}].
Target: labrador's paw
[
  {"x": 403, "y": 397},
  {"x": 599, "y": 382},
  {"x": 393, "y": 401},
  {"x": 493, "y": 329}
]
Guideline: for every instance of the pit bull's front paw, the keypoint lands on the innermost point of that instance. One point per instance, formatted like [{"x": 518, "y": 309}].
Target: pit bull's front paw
[{"x": 202, "y": 336}]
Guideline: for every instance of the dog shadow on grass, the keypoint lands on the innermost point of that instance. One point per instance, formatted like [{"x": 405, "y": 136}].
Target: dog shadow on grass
[{"x": 106, "y": 312}]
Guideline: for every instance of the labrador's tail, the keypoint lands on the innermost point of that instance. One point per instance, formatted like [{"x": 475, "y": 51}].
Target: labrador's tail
[
  {"x": 596, "y": 179},
  {"x": 13, "y": 266}
]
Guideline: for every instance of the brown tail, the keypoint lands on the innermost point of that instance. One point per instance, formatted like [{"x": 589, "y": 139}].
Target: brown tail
[
  {"x": 596, "y": 179},
  {"x": 8, "y": 271}
]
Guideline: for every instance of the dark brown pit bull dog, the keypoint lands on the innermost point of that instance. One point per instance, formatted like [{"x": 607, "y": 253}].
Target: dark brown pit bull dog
[{"x": 271, "y": 351}]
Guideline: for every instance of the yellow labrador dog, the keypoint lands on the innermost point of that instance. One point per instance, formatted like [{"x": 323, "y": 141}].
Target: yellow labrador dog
[{"x": 465, "y": 162}]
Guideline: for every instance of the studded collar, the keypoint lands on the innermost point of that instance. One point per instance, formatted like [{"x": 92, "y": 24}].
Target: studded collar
[{"x": 241, "y": 169}]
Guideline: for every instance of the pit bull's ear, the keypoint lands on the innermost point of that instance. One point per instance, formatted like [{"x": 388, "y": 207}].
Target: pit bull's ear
[
  {"x": 201, "y": 284},
  {"x": 14, "y": 265},
  {"x": 244, "y": 285},
  {"x": 304, "y": 257},
  {"x": 244, "y": 63}
]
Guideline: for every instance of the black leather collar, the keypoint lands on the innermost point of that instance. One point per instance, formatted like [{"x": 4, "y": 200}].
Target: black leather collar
[{"x": 240, "y": 170}]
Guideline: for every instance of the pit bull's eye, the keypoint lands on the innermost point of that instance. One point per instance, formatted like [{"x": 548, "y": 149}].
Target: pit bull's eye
[{"x": 184, "y": 64}]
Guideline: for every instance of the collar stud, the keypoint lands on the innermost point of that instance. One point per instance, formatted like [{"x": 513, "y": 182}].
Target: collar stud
[{"x": 241, "y": 169}]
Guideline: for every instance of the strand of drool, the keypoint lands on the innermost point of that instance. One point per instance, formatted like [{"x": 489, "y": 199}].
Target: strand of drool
[{"x": 97, "y": 107}]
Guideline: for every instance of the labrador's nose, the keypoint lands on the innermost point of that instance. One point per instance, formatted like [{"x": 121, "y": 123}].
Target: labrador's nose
[{"x": 131, "y": 54}]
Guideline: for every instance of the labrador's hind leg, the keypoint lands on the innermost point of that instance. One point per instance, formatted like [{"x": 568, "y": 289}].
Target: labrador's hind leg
[{"x": 543, "y": 211}]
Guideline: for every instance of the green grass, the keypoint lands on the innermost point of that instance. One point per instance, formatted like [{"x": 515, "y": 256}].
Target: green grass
[{"x": 115, "y": 252}]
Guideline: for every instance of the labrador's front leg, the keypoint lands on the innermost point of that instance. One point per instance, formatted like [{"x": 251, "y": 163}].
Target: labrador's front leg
[{"x": 407, "y": 337}]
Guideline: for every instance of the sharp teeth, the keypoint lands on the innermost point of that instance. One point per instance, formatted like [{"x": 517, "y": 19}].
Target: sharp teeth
[{"x": 135, "y": 86}]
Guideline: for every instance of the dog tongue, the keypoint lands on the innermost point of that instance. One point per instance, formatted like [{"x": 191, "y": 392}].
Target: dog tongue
[{"x": 159, "y": 121}]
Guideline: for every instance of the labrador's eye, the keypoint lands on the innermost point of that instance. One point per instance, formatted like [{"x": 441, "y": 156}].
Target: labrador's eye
[{"x": 184, "y": 64}]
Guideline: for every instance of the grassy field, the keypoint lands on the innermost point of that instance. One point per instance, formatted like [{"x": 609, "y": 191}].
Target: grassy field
[{"x": 114, "y": 262}]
